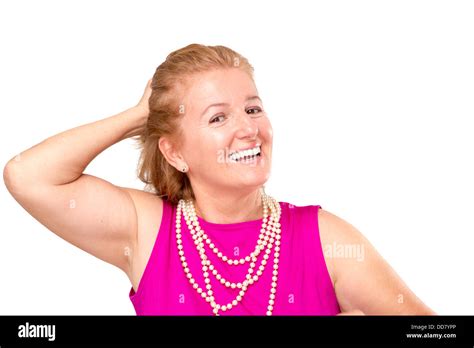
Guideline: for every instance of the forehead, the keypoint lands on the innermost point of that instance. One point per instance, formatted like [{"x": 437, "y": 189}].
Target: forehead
[{"x": 216, "y": 86}]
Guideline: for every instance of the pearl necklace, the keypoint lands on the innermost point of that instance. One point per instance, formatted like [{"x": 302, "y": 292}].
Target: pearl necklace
[{"x": 270, "y": 234}]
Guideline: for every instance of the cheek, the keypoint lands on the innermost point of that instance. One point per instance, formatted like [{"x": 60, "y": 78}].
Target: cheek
[
  {"x": 219, "y": 141},
  {"x": 211, "y": 148},
  {"x": 267, "y": 130}
]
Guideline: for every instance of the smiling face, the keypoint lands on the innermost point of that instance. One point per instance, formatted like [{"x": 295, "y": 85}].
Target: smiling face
[{"x": 223, "y": 114}]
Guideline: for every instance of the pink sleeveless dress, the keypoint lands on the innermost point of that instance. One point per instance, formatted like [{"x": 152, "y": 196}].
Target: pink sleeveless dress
[{"x": 304, "y": 286}]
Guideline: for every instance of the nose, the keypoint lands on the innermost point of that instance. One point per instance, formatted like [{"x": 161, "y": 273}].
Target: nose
[{"x": 247, "y": 127}]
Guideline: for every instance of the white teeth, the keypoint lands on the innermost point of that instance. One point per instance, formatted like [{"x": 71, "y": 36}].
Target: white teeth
[{"x": 236, "y": 156}]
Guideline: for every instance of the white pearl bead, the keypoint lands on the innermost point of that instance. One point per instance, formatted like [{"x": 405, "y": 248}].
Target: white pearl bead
[{"x": 269, "y": 232}]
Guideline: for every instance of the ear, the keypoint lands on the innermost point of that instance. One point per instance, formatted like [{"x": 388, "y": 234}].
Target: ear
[{"x": 172, "y": 156}]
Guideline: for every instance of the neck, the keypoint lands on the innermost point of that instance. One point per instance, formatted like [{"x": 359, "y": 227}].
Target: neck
[{"x": 227, "y": 208}]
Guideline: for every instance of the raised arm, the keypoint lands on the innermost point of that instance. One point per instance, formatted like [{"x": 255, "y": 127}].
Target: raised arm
[{"x": 47, "y": 180}]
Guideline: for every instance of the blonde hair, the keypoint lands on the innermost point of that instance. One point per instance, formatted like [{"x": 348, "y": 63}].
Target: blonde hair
[{"x": 168, "y": 84}]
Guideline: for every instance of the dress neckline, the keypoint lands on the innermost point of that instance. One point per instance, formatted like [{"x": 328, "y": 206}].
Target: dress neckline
[{"x": 232, "y": 226}]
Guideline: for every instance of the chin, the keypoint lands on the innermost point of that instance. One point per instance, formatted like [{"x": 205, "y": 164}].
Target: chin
[{"x": 254, "y": 181}]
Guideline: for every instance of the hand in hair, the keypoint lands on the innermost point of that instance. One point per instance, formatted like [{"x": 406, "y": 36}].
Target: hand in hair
[{"x": 143, "y": 103}]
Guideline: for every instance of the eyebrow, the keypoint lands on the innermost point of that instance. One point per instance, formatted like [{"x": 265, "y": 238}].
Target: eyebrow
[{"x": 224, "y": 104}]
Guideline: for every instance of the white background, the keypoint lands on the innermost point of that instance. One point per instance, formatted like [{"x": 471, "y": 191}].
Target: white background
[{"x": 371, "y": 104}]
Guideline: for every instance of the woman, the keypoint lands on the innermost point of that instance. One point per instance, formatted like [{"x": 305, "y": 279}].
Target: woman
[{"x": 204, "y": 238}]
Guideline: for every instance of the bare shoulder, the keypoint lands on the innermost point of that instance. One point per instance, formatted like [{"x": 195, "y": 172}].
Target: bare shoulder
[
  {"x": 336, "y": 228},
  {"x": 149, "y": 209},
  {"x": 358, "y": 269},
  {"x": 335, "y": 231},
  {"x": 345, "y": 246},
  {"x": 143, "y": 198}
]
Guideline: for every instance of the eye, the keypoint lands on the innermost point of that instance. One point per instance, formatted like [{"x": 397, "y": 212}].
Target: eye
[
  {"x": 256, "y": 109},
  {"x": 215, "y": 118}
]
